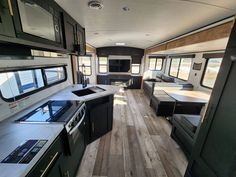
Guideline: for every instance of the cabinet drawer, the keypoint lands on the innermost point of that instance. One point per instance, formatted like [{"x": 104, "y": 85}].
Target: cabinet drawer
[{"x": 48, "y": 160}]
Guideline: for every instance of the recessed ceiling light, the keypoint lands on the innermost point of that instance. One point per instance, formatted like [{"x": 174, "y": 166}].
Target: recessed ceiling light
[
  {"x": 126, "y": 9},
  {"x": 120, "y": 43},
  {"x": 95, "y": 4},
  {"x": 96, "y": 33}
]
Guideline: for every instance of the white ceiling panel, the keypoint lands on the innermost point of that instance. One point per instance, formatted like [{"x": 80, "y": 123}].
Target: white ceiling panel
[{"x": 148, "y": 22}]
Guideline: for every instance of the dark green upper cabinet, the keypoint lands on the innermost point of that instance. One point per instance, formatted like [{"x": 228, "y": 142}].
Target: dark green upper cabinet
[
  {"x": 40, "y": 24},
  {"x": 74, "y": 35},
  {"x": 6, "y": 23},
  {"x": 81, "y": 41},
  {"x": 69, "y": 31}
]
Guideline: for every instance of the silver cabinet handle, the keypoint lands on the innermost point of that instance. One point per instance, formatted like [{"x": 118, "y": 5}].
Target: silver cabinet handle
[
  {"x": 10, "y": 7},
  {"x": 49, "y": 165},
  {"x": 76, "y": 127}
]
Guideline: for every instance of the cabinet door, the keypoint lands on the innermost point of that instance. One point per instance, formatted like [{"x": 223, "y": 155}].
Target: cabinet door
[
  {"x": 99, "y": 120},
  {"x": 214, "y": 153},
  {"x": 81, "y": 41},
  {"x": 6, "y": 22},
  {"x": 69, "y": 32},
  {"x": 136, "y": 82}
]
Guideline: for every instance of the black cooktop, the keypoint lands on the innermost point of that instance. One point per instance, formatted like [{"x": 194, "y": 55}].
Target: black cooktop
[{"x": 52, "y": 111}]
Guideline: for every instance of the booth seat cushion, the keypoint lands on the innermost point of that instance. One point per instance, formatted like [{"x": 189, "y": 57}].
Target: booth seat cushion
[
  {"x": 167, "y": 78},
  {"x": 159, "y": 75},
  {"x": 188, "y": 122}
]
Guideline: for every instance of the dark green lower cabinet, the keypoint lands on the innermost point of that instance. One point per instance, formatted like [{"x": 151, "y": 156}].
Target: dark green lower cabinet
[
  {"x": 100, "y": 115},
  {"x": 50, "y": 163}
]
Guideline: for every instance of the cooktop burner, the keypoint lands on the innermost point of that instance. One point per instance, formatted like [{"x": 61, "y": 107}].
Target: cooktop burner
[{"x": 52, "y": 111}]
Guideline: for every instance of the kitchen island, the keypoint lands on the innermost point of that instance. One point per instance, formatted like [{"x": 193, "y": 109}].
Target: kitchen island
[{"x": 13, "y": 135}]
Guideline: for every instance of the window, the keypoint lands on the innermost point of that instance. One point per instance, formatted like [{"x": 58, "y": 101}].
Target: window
[
  {"x": 135, "y": 69},
  {"x": 211, "y": 71},
  {"x": 180, "y": 68},
  {"x": 17, "y": 84},
  {"x": 174, "y": 67},
  {"x": 85, "y": 65},
  {"x": 102, "y": 64},
  {"x": 54, "y": 75},
  {"x": 155, "y": 63}
]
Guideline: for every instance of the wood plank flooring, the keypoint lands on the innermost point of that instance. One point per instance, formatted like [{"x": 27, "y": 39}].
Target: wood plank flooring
[{"x": 138, "y": 146}]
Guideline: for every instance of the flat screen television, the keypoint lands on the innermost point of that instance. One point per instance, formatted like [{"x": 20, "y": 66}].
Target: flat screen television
[{"x": 119, "y": 65}]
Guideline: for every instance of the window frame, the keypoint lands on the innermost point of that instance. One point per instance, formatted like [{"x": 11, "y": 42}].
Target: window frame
[
  {"x": 18, "y": 97},
  {"x": 138, "y": 70},
  {"x": 156, "y": 58},
  {"x": 90, "y": 57},
  {"x": 180, "y": 58},
  {"x": 204, "y": 72},
  {"x": 102, "y": 65}
]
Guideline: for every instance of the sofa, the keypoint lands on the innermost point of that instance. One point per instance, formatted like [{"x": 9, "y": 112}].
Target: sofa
[{"x": 149, "y": 87}]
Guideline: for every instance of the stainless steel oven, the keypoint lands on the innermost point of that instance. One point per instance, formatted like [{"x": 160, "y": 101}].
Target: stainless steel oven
[
  {"x": 70, "y": 113},
  {"x": 76, "y": 129}
]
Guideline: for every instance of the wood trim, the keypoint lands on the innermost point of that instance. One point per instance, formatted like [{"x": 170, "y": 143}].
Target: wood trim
[
  {"x": 159, "y": 48},
  {"x": 90, "y": 48},
  {"x": 217, "y": 32},
  {"x": 74, "y": 67}
]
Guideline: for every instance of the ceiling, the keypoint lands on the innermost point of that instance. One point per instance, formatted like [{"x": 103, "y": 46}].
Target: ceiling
[{"x": 148, "y": 22}]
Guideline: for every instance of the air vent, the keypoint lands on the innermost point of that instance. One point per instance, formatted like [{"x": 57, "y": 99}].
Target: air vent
[{"x": 95, "y": 4}]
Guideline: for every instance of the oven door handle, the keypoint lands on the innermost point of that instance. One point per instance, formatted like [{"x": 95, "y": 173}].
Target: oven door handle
[{"x": 76, "y": 127}]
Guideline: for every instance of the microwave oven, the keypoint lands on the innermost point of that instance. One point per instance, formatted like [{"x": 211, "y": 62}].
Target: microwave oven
[{"x": 38, "y": 20}]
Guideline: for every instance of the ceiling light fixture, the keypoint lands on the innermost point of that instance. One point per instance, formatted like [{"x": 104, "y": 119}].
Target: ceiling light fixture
[
  {"x": 126, "y": 9},
  {"x": 95, "y": 4},
  {"x": 120, "y": 43}
]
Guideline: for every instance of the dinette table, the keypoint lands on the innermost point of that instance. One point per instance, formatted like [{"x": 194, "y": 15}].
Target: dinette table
[{"x": 188, "y": 102}]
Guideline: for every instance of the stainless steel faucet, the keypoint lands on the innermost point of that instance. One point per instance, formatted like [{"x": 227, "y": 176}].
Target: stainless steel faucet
[{"x": 84, "y": 80}]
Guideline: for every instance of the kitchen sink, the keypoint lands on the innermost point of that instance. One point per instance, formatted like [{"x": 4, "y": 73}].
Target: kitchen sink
[{"x": 88, "y": 91}]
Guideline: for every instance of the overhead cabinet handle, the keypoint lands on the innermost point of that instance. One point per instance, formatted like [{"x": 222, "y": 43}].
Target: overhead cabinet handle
[
  {"x": 93, "y": 127},
  {"x": 10, "y": 7}
]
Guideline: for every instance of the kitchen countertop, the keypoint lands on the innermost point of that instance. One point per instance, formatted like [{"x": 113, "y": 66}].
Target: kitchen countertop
[
  {"x": 68, "y": 95},
  {"x": 14, "y": 134}
]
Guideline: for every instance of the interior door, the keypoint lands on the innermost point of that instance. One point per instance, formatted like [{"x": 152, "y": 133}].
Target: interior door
[{"x": 214, "y": 154}]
